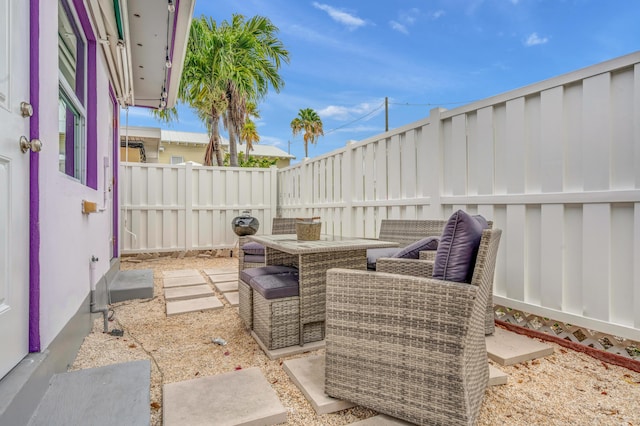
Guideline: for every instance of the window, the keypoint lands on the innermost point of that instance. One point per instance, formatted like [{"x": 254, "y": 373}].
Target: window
[
  {"x": 177, "y": 159},
  {"x": 72, "y": 53}
]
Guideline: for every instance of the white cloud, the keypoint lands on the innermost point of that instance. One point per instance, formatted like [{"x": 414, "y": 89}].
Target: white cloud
[
  {"x": 398, "y": 27},
  {"x": 343, "y": 113},
  {"x": 437, "y": 14},
  {"x": 534, "y": 39},
  {"x": 351, "y": 21}
]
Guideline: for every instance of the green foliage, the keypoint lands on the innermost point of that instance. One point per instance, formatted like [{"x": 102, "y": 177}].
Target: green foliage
[{"x": 251, "y": 161}]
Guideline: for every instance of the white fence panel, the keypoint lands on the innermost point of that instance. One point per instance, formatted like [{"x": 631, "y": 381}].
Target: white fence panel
[
  {"x": 556, "y": 165},
  {"x": 179, "y": 208}
]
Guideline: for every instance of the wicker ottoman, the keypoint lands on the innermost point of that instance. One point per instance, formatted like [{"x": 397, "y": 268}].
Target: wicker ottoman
[
  {"x": 245, "y": 293},
  {"x": 276, "y": 310}
]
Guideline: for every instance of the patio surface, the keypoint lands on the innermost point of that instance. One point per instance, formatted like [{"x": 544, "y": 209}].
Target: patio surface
[{"x": 565, "y": 387}]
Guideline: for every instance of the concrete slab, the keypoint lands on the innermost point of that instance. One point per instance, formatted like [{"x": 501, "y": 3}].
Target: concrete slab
[
  {"x": 192, "y": 305},
  {"x": 189, "y": 292},
  {"x": 241, "y": 397},
  {"x": 133, "y": 284},
  {"x": 291, "y": 350},
  {"x": 308, "y": 375},
  {"x": 181, "y": 273},
  {"x": 233, "y": 297},
  {"x": 497, "y": 376},
  {"x": 183, "y": 281},
  {"x": 218, "y": 271},
  {"x": 228, "y": 286},
  {"x": 381, "y": 420},
  {"x": 508, "y": 348},
  {"x": 117, "y": 394},
  {"x": 223, "y": 278}
]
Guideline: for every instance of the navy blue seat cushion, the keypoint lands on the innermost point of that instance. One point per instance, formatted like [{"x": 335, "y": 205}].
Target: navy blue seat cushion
[
  {"x": 458, "y": 247},
  {"x": 253, "y": 258},
  {"x": 253, "y": 248},
  {"x": 248, "y": 274},
  {"x": 275, "y": 286},
  {"x": 412, "y": 251},
  {"x": 374, "y": 254}
]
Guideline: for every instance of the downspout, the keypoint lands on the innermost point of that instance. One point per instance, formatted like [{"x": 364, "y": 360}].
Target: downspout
[{"x": 34, "y": 174}]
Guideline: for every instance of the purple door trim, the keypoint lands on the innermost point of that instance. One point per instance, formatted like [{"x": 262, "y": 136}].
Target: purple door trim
[{"x": 34, "y": 188}]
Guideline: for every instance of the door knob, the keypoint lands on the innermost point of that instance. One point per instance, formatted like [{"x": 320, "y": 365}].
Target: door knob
[{"x": 34, "y": 144}]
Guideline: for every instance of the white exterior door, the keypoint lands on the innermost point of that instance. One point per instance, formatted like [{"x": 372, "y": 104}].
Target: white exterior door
[{"x": 14, "y": 184}]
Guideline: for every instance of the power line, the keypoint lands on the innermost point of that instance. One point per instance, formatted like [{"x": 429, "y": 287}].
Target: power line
[
  {"x": 355, "y": 121},
  {"x": 433, "y": 104}
]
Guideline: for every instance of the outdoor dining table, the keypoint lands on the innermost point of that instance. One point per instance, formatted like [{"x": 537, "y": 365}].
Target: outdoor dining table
[{"x": 313, "y": 259}]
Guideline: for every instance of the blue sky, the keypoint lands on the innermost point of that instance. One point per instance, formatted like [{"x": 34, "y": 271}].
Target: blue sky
[{"x": 347, "y": 56}]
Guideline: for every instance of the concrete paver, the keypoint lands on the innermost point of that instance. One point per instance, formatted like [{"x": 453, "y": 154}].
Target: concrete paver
[
  {"x": 308, "y": 375},
  {"x": 183, "y": 281},
  {"x": 191, "y": 305},
  {"x": 381, "y": 420},
  {"x": 508, "y": 348},
  {"x": 241, "y": 397},
  {"x": 223, "y": 278},
  {"x": 188, "y": 292},
  {"x": 218, "y": 271},
  {"x": 233, "y": 297},
  {"x": 181, "y": 273},
  {"x": 227, "y": 286}
]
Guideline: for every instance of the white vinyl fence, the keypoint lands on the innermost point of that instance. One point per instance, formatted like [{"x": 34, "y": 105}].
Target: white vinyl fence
[
  {"x": 179, "y": 208},
  {"x": 556, "y": 165}
]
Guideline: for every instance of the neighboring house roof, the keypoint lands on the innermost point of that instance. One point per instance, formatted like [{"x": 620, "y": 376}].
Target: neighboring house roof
[{"x": 155, "y": 136}]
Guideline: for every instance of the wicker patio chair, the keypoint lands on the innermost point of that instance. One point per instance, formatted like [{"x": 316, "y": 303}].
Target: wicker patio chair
[
  {"x": 423, "y": 267},
  {"x": 410, "y": 347},
  {"x": 280, "y": 225}
]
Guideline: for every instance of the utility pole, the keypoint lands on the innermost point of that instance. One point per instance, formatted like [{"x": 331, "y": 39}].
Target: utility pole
[
  {"x": 386, "y": 114},
  {"x": 289, "y": 148}
]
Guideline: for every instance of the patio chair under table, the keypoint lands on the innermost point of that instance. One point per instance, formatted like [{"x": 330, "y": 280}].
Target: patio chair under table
[{"x": 312, "y": 260}]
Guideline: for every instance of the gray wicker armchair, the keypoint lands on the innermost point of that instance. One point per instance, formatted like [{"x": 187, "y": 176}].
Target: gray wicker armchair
[
  {"x": 423, "y": 267},
  {"x": 410, "y": 347}
]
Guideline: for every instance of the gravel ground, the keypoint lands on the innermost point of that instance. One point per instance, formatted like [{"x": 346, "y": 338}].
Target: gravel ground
[{"x": 566, "y": 388}]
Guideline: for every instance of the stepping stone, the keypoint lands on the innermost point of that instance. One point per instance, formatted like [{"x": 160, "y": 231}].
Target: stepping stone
[
  {"x": 242, "y": 397},
  {"x": 233, "y": 297},
  {"x": 183, "y": 281},
  {"x": 133, "y": 284},
  {"x": 381, "y": 420},
  {"x": 181, "y": 273},
  {"x": 190, "y": 292},
  {"x": 223, "y": 278},
  {"x": 218, "y": 271},
  {"x": 193, "y": 305},
  {"x": 497, "y": 376},
  {"x": 508, "y": 348},
  {"x": 308, "y": 375},
  {"x": 290, "y": 350},
  {"x": 228, "y": 286},
  {"x": 117, "y": 394}
]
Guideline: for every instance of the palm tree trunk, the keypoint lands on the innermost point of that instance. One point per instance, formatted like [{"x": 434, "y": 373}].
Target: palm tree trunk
[{"x": 233, "y": 148}]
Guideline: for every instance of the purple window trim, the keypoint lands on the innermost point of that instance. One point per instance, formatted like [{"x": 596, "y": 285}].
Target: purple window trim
[
  {"x": 92, "y": 96},
  {"x": 115, "y": 205},
  {"x": 70, "y": 143},
  {"x": 34, "y": 188}
]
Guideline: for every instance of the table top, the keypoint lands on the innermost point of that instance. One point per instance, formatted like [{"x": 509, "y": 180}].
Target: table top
[{"x": 289, "y": 243}]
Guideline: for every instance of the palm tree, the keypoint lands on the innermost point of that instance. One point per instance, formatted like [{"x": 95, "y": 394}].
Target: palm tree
[
  {"x": 227, "y": 66},
  {"x": 308, "y": 121},
  {"x": 250, "y": 135},
  {"x": 252, "y": 60}
]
